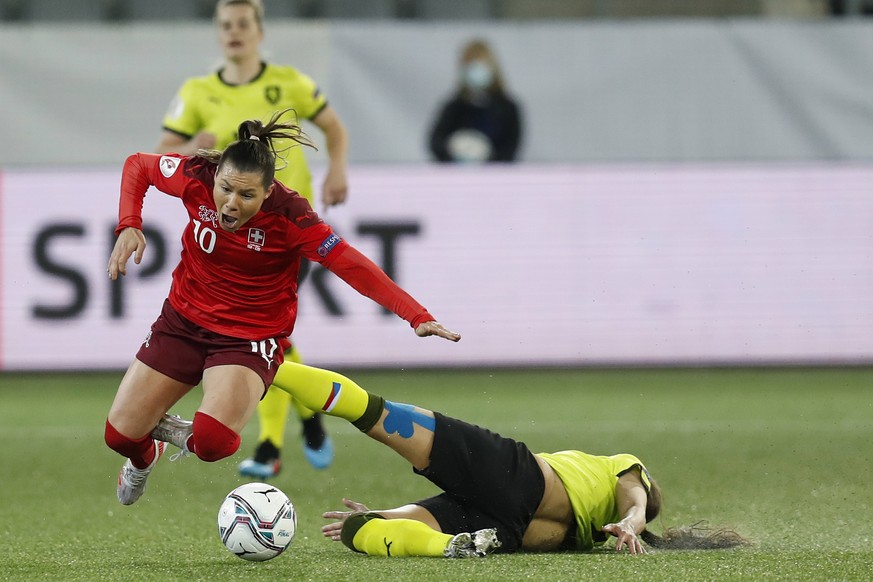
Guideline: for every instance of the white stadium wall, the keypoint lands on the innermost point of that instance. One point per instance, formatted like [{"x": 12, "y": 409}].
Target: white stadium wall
[
  {"x": 534, "y": 265},
  {"x": 591, "y": 91}
]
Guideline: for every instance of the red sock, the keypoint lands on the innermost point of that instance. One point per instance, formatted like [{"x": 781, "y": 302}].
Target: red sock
[
  {"x": 141, "y": 452},
  {"x": 211, "y": 440}
]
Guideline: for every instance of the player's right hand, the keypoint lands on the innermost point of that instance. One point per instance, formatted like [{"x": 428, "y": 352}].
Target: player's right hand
[
  {"x": 203, "y": 140},
  {"x": 626, "y": 537},
  {"x": 333, "y": 530},
  {"x": 130, "y": 241}
]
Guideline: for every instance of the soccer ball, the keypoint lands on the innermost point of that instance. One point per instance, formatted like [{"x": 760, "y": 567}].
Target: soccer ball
[{"x": 257, "y": 522}]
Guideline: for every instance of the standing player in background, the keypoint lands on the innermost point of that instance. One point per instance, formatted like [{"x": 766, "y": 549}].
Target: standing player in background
[{"x": 205, "y": 114}]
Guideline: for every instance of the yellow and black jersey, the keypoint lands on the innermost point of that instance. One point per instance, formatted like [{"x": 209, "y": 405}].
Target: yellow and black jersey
[
  {"x": 210, "y": 104},
  {"x": 590, "y": 482}
]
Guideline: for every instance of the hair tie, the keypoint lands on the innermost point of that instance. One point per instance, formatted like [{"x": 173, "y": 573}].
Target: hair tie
[{"x": 254, "y": 137}]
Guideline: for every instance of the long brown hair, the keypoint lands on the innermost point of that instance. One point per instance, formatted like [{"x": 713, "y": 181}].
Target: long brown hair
[
  {"x": 255, "y": 148},
  {"x": 697, "y": 536}
]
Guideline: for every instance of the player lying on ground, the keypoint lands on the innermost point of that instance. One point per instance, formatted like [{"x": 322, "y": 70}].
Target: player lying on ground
[{"x": 497, "y": 494}]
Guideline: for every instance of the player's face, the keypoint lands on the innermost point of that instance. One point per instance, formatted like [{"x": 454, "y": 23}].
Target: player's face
[
  {"x": 239, "y": 34},
  {"x": 238, "y": 196}
]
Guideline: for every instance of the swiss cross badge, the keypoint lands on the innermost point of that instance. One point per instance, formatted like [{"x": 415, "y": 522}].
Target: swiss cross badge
[{"x": 257, "y": 237}]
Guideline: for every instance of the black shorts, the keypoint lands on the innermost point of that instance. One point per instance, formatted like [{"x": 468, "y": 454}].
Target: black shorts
[{"x": 489, "y": 481}]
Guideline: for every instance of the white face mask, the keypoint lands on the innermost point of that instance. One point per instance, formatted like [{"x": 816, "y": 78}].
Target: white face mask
[{"x": 478, "y": 75}]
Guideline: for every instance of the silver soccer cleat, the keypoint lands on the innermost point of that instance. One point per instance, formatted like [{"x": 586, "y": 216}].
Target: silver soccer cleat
[
  {"x": 476, "y": 545},
  {"x": 174, "y": 430},
  {"x": 132, "y": 481}
]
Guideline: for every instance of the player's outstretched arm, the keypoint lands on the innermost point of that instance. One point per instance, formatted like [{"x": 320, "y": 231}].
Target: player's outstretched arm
[
  {"x": 369, "y": 280},
  {"x": 130, "y": 241},
  {"x": 332, "y": 530},
  {"x": 630, "y": 497}
]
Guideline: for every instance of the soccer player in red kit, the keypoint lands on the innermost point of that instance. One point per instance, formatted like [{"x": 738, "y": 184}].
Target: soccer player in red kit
[{"x": 233, "y": 299}]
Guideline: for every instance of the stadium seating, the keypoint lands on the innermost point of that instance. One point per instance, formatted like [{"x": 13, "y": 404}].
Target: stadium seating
[
  {"x": 54, "y": 11},
  {"x": 456, "y": 10},
  {"x": 133, "y": 10},
  {"x": 359, "y": 8},
  {"x": 168, "y": 10}
]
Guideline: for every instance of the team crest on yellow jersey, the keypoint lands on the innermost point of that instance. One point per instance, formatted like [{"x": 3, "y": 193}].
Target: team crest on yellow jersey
[{"x": 272, "y": 93}]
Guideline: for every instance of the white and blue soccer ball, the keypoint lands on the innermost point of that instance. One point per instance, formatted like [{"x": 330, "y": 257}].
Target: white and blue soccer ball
[{"x": 257, "y": 522}]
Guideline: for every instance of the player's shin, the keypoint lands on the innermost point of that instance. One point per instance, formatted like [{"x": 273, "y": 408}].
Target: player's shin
[
  {"x": 273, "y": 415},
  {"x": 375, "y": 536},
  {"x": 331, "y": 393}
]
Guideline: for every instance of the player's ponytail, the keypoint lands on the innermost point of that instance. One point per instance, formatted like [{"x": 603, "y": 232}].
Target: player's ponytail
[
  {"x": 697, "y": 536},
  {"x": 255, "y": 147}
]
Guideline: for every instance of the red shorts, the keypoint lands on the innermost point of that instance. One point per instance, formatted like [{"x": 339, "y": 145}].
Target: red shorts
[{"x": 182, "y": 350}]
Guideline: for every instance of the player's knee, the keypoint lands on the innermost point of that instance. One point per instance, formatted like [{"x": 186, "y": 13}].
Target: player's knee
[
  {"x": 211, "y": 440},
  {"x": 119, "y": 443}
]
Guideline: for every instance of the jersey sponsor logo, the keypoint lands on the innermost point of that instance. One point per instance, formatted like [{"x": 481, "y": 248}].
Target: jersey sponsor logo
[
  {"x": 257, "y": 238},
  {"x": 168, "y": 166},
  {"x": 208, "y": 215},
  {"x": 328, "y": 244},
  {"x": 272, "y": 93}
]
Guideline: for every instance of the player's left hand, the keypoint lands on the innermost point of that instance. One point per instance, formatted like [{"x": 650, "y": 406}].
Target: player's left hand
[
  {"x": 436, "y": 328},
  {"x": 335, "y": 189},
  {"x": 130, "y": 241},
  {"x": 332, "y": 530},
  {"x": 626, "y": 536}
]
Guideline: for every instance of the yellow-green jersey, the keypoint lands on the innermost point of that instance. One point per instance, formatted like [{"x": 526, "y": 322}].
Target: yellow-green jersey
[
  {"x": 210, "y": 104},
  {"x": 590, "y": 482}
]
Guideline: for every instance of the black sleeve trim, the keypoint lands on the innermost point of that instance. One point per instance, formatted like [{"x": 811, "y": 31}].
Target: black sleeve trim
[
  {"x": 320, "y": 109},
  {"x": 179, "y": 133},
  {"x": 639, "y": 468}
]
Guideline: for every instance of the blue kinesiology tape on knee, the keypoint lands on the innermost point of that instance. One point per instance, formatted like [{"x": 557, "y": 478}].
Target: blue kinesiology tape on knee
[{"x": 402, "y": 417}]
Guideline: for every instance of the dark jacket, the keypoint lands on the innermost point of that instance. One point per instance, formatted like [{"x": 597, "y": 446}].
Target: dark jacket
[{"x": 499, "y": 119}]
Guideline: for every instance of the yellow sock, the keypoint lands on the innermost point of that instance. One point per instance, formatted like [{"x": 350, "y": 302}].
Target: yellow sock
[
  {"x": 293, "y": 355},
  {"x": 303, "y": 412},
  {"x": 273, "y": 408},
  {"x": 325, "y": 391},
  {"x": 273, "y": 415},
  {"x": 399, "y": 537}
]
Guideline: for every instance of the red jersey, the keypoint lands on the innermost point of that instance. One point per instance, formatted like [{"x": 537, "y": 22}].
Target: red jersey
[{"x": 244, "y": 284}]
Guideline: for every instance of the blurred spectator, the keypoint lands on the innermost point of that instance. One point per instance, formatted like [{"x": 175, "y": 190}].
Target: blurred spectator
[{"x": 481, "y": 122}]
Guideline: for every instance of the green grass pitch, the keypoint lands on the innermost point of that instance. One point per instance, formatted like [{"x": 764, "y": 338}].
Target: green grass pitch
[{"x": 783, "y": 455}]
